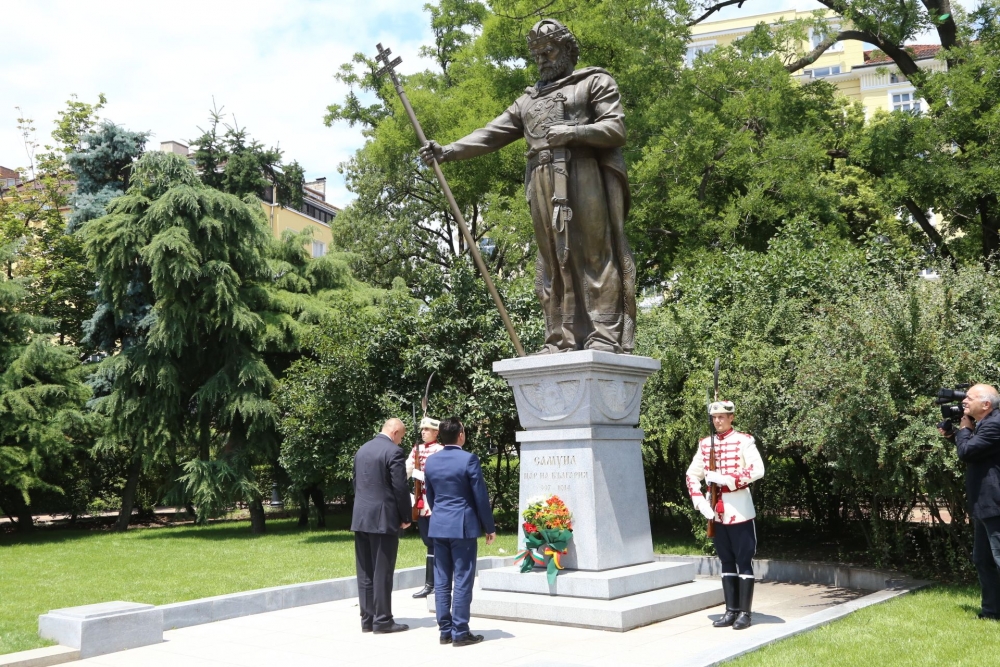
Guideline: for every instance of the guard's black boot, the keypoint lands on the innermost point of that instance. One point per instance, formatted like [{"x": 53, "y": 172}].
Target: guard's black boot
[
  {"x": 731, "y": 591},
  {"x": 428, "y": 580},
  {"x": 746, "y": 600}
]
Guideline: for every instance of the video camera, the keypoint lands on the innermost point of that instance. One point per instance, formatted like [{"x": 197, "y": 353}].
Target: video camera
[{"x": 950, "y": 401}]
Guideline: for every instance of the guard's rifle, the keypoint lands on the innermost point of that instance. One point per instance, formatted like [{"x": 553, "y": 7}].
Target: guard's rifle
[
  {"x": 388, "y": 67},
  {"x": 713, "y": 489},
  {"x": 418, "y": 485}
]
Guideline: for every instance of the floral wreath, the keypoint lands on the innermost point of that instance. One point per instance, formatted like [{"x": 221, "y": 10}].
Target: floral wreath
[{"x": 548, "y": 528}]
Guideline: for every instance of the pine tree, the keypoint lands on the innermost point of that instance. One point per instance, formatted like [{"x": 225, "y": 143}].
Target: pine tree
[
  {"x": 41, "y": 402},
  {"x": 189, "y": 386}
]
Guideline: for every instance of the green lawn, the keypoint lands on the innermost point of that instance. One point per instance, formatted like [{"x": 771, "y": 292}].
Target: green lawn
[
  {"x": 65, "y": 568},
  {"x": 932, "y": 627}
]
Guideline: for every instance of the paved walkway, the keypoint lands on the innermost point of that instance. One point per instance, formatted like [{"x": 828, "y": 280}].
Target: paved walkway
[{"x": 329, "y": 634}]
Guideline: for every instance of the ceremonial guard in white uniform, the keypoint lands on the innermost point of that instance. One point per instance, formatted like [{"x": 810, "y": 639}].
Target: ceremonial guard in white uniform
[
  {"x": 737, "y": 465},
  {"x": 415, "y": 469}
]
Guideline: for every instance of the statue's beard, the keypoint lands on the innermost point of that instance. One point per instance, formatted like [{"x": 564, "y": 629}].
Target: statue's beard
[{"x": 558, "y": 69}]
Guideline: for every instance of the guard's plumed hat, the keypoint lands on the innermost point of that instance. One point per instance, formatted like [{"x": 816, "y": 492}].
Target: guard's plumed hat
[
  {"x": 721, "y": 408},
  {"x": 427, "y": 422}
]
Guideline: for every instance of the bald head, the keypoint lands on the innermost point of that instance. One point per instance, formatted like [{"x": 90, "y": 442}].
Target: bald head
[
  {"x": 395, "y": 429},
  {"x": 981, "y": 400}
]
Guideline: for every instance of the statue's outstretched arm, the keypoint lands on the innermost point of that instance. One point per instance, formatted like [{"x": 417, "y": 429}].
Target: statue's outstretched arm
[{"x": 502, "y": 130}]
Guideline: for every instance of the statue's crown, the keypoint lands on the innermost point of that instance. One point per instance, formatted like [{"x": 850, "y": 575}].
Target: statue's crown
[{"x": 547, "y": 30}]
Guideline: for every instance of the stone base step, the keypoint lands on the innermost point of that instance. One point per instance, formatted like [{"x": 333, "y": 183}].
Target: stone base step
[
  {"x": 618, "y": 615},
  {"x": 603, "y": 585}
]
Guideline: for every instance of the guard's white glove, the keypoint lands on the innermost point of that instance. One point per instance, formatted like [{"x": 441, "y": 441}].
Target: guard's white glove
[
  {"x": 418, "y": 474},
  {"x": 713, "y": 477},
  {"x": 705, "y": 508}
]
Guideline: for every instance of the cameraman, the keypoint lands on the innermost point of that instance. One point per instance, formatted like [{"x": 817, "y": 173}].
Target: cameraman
[{"x": 978, "y": 445}]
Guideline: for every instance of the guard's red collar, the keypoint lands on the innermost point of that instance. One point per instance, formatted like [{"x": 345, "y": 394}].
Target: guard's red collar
[{"x": 723, "y": 435}]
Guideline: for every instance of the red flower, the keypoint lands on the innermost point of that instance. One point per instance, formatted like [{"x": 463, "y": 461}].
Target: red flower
[{"x": 530, "y": 527}]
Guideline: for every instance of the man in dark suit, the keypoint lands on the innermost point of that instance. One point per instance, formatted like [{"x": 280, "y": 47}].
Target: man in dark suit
[
  {"x": 978, "y": 446},
  {"x": 460, "y": 513},
  {"x": 381, "y": 509}
]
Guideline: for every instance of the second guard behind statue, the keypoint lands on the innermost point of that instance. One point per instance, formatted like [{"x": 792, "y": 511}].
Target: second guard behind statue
[{"x": 421, "y": 509}]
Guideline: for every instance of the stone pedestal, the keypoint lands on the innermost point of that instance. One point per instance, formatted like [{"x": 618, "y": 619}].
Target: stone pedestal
[{"x": 580, "y": 411}]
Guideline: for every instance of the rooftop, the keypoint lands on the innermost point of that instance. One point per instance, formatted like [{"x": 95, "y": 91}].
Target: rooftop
[{"x": 916, "y": 51}]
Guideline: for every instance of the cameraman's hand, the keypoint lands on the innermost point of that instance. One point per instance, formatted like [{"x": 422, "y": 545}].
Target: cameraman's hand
[
  {"x": 705, "y": 508},
  {"x": 967, "y": 422}
]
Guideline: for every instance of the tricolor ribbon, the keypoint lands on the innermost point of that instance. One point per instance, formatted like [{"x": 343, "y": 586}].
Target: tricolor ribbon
[{"x": 551, "y": 544}]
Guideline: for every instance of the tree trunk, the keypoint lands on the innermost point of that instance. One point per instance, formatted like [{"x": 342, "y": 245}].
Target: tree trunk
[
  {"x": 303, "y": 508},
  {"x": 990, "y": 219},
  {"x": 320, "y": 502},
  {"x": 15, "y": 507},
  {"x": 128, "y": 495},
  {"x": 257, "y": 517}
]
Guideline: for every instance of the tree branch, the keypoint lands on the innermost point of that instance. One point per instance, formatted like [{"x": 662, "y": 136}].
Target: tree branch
[
  {"x": 934, "y": 235},
  {"x": 946, "y": 29},
  {"x": 716, "y": 7},
  {"x": 896, "y": 52},
  {"x": 822, "y": 47}
]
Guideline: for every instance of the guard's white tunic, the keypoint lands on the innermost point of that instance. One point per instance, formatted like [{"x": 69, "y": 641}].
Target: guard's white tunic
[{"x": 736, "y": 455}]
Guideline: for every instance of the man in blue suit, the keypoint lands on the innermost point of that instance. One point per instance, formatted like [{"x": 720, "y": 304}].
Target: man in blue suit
[{"x": 460, "y": 513}]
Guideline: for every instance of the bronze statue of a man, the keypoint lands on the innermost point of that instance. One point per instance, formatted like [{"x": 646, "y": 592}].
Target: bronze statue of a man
[{"x": 578, "y": 190}]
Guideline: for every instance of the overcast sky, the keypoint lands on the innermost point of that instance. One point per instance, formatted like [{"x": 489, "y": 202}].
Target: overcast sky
[{"x": 160, "y": 64}]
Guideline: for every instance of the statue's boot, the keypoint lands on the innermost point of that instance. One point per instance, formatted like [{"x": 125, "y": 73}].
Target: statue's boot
[{"x": 731, "y": 591}]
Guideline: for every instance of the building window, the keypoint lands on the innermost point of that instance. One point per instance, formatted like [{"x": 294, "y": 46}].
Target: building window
[
  {"x": 694, "y": 50},
  {"x": 896, "y": 77},
  {"x": 907, "y": 101},
  {"x": 816, "y": 37},
  {"x": 319, "y": 249},
  {"x": 316, "y": 213},
  {"x": 820, "y": 72}
]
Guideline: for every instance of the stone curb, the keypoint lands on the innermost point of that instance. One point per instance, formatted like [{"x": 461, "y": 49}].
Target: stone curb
[
  {"x": 40, "y": 657},
  {"x": 223, "y": 607},
  {"x": 808, "y": 572},
  {"x": 712, "y": 657}
]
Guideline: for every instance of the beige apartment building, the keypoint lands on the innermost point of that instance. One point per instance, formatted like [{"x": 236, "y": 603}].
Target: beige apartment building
[
  {"x": 857, "y": 72},
  {"x": 315, "y": 213}
]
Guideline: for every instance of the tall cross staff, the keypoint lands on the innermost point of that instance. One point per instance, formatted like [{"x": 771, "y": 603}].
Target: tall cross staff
[{"x": 388, "y": 67}]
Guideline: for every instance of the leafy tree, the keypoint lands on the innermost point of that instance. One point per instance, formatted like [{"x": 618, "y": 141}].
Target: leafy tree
[
  {"x": 832, "y": 353},
  {"x": 306, "y": 296},
  {"x": 945, "y": 160},
  {"x": 192, "y": 388},
  {"x": 367, "y": 366}
]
